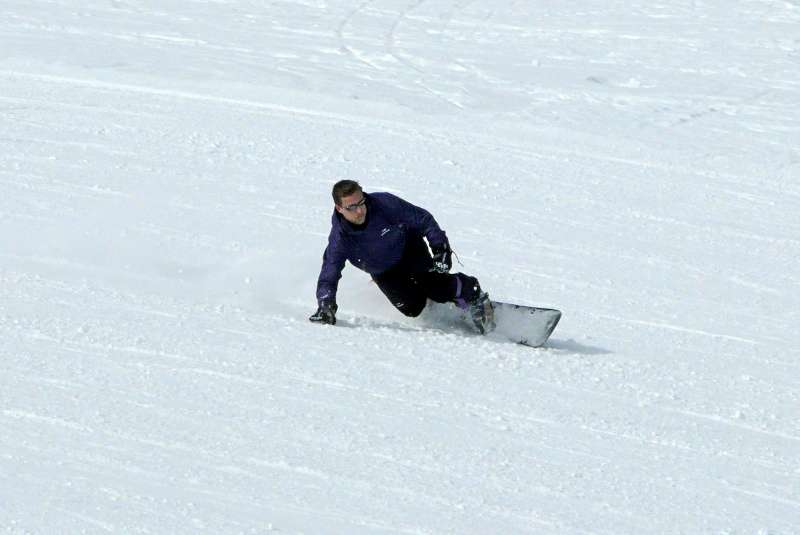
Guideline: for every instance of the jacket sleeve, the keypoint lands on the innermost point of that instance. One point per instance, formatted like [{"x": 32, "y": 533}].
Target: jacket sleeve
[
  {"x": 332, "y": 265},
  {"x": 418, "y": 219}
]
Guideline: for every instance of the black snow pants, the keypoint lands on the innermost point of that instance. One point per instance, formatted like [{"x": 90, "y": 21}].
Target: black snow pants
[{"x": 409, "y": 284}]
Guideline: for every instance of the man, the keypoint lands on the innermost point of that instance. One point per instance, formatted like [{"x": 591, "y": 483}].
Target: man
[{"x": 382, "y": 234}]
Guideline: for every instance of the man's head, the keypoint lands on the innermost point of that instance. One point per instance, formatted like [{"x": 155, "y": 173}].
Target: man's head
[{"x": 350, "y": 201}]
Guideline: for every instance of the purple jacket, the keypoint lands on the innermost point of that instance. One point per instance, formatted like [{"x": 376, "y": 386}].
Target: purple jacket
[{"x": 391, "y": 224}]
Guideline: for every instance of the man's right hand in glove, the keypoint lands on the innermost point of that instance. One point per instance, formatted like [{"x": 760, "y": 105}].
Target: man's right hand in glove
[
  {"x": 326, "y": 313},
  {"x": 442, "y": 258}
]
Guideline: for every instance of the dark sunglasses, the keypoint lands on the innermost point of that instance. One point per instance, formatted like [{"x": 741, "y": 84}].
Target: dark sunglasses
[{"x": 356, "y": 206}]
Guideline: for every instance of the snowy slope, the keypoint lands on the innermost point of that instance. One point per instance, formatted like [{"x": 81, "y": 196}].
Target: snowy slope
[{"x": 165, "y": 170}]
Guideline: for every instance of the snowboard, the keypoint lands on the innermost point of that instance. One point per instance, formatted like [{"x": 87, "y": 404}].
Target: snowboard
[{"x": 526, "y": 325}]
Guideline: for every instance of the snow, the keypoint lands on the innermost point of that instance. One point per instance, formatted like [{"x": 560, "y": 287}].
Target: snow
[{"x": 165, "y": 173}]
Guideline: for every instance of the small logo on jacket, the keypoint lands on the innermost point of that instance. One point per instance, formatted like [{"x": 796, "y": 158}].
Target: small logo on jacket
[{"x": 385, "y": 231}]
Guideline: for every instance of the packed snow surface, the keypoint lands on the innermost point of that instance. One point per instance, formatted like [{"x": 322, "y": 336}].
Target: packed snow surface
[{"x": 165, "y": 174}]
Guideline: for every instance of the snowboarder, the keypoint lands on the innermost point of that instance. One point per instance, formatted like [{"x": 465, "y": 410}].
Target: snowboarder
[{"x": 382, "y": 234}]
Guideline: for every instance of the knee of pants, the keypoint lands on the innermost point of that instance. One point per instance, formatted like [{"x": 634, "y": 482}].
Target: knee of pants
[{"x": 412, "y": 309}]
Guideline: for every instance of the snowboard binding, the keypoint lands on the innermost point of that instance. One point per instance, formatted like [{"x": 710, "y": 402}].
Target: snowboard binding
[{"x": 482, "y": 313}]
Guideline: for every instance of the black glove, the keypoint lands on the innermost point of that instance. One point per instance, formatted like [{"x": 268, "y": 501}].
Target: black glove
[
  {"x": 442, "y": 258},
  {"x": 326, "y": 313}
]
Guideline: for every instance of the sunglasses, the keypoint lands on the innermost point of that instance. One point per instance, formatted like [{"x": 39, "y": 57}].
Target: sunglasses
[{"x": 356, "y": 206}]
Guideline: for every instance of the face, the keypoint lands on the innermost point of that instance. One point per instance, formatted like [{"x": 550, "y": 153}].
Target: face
[{"x": 353, "y": 208}]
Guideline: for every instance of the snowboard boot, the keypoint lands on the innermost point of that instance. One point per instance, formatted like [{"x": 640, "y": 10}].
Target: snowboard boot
[{"x": 482, "y": 313}]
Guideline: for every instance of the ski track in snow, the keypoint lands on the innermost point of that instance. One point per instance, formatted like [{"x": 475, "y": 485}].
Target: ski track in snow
[{"x": 164, "y": 204}]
